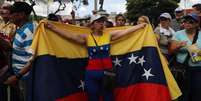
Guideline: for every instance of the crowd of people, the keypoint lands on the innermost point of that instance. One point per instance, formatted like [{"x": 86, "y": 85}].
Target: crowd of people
[{"x": 179, "y": 40}]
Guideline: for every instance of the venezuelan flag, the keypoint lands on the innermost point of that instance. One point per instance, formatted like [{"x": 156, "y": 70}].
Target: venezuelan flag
[{"x": 142, "y": 71}]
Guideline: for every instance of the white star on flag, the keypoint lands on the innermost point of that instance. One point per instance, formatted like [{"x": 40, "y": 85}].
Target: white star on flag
[
  {"x": 147, "y": 74},
  {"x": 94, "y": 50},
  {"x": 101, "y": 48},
  {"x": 117, "y": 62},
  {"x": 81, "y": 85},
  {"x": 141, "y": 60},
  {"x": 132, "y": 59}
]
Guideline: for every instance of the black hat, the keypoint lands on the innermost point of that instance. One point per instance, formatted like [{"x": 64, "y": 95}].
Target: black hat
[
  {"x": 53, "y": 17},
  {"x": 18, "y": 7}
]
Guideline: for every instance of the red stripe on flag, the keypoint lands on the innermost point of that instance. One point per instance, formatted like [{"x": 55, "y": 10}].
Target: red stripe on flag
[
  {"x": 99, "y": 64},
  {"x": 75, "y": 97},
  {"x": 137, "y": 92},
  {"x": 143, "y": 92}
]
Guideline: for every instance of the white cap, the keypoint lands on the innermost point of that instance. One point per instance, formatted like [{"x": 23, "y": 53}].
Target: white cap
[
  {"x": 166, "y": 15},
  {"x": 95, "y": 17},
  {"x": 178, "y": 9},
  {"x": 6, "y": 4}
]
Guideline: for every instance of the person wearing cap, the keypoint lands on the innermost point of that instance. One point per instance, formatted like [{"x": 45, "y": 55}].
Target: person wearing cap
[
  {"x": 97, "y": 42},
  {"x": 7, "y": 29},
  {"x": 197, "y": 10},
  {"x": 177, "y": 23},
  {"x": 189, "y": 72},
  {"x": 164, "y": 33},
  {"x": 21, "y": 55}
]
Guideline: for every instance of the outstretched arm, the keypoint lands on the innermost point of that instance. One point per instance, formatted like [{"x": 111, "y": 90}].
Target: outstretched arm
[
  {"x": 81, "y": 39},
  {"x": 119, "y": 33}
]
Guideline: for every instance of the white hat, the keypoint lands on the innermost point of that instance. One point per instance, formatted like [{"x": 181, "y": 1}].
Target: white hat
[
  {"x": 95, "y": 17},
  {"x": 178, "y": 9},
  {"x": 166, "y": 15},
  {"x": 6, "y": 4}
]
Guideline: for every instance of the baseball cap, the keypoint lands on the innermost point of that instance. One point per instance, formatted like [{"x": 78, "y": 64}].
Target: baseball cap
[
  {"x": 166, "y": 15},
  {"x": 18, "y": 7},
  {"x": 97, "y": 17},
  {"x": 6, "y": 5},
  {"x": 4, "y": 9},
  {"x": 194, "y": 16},
  {"x": 178, "y": 10}
]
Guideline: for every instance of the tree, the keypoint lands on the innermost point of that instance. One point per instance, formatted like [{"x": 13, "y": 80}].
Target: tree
[{"x": 150, "y": 8}]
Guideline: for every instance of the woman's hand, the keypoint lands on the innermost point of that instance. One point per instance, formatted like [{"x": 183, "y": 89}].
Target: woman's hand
[
  {"x": 181, "y": 44},
  {"x": 50, "y": 26},
  {"x": 175, "y": 46},
  {"x": 142, "y": 25}
]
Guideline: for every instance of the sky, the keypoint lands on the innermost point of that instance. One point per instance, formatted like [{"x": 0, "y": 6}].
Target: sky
[
  {"x": 118, "y": 6},
  {"x": 188, "y": 3}
]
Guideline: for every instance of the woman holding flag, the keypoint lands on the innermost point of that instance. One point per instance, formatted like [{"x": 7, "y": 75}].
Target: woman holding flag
[{"x": 98, "y": 46}]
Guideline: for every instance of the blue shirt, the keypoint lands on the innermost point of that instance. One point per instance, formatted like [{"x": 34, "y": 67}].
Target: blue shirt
[
  {"x": 183, "y": 52},
  {"x": 21, "y": 54}
]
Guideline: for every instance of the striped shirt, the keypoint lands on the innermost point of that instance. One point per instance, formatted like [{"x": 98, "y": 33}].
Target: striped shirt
[{"x": 21, "y": 43}]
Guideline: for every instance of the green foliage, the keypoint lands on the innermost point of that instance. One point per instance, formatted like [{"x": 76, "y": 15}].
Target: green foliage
[{"x": 150, "y": 8}]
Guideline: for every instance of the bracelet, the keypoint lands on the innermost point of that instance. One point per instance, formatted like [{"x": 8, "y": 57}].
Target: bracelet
[{"x": 18, "y": 75}]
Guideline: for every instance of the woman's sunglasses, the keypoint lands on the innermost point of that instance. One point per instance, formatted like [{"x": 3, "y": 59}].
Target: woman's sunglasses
[{"x": 190, "y": 21}]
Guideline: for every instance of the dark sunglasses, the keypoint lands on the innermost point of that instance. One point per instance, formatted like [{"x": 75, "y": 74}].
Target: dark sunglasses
[
  {"x": 178, "y": 11},
  {"x": 190, "y": 21},
  {"x": 163, "y": 19}
]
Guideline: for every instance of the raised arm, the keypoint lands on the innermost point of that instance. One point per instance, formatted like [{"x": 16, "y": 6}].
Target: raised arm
[
  {"x": 81, "y": 39},
  {"x": 119, "y": 33}
]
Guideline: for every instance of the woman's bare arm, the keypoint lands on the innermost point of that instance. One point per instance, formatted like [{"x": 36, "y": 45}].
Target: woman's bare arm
[
  {"x": 81, "y": 39},
  {"x": 119, "y": 33}
]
